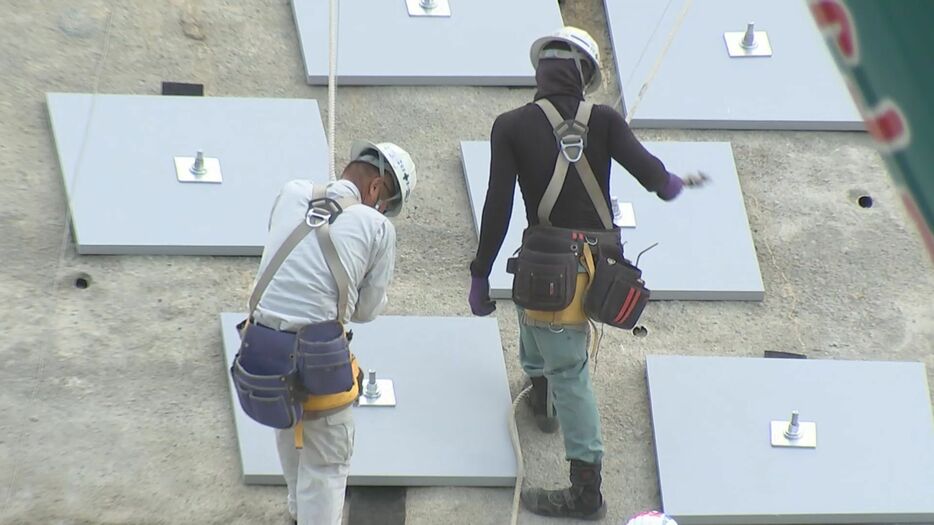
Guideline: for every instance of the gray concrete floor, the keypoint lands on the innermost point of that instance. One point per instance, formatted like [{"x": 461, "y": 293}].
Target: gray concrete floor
[{"x": 113, "y": 401}]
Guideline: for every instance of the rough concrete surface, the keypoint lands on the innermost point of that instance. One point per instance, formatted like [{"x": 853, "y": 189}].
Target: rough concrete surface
[{"x": 113, "y": 401}]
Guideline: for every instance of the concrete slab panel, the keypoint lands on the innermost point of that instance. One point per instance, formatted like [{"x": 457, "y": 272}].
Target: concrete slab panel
[
  {"x": 874, "y": 459},
  {"x": 705, "y": 249},
  {"x": 123, "y": 191},
  {"x": 698, "y": 85},
  {"x": 480, "y": 44},
  {"x": 448, "y": 427}
]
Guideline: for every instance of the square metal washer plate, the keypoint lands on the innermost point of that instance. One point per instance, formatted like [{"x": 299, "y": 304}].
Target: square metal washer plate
[
  {"x": 448, "y": 427},
  {"x": 442, "y": 8},
  {"x": 806, "y": 429},
  {"x": 212, "y": 169},
  {"x": 874, "y": 462},
  {"x": 128, "y": 177},
  {"x": 387, "y": 395},
  {"x": 735, "y": 48},
  {"x": 705, "y": 250}
]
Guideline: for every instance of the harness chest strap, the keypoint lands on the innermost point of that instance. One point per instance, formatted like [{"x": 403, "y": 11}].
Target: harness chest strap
[{"x": 562, "y": 165}]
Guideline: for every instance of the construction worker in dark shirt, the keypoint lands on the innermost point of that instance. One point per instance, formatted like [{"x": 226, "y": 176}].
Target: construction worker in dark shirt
[{"x": 553, "y": 346}]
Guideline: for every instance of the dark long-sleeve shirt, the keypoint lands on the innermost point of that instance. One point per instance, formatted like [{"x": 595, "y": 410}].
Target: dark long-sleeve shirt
[{"x": 523, "y": 145}]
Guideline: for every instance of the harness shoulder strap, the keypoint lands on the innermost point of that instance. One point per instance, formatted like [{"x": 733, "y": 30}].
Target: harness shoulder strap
[
  {"x": 562, "y": 129},
  {"x": 331, "y": 257}
]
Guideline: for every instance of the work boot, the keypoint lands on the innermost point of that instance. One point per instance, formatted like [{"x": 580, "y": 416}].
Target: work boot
[
  {"x": 582, "y": 500},
  {"x": 542, "y": 408}
]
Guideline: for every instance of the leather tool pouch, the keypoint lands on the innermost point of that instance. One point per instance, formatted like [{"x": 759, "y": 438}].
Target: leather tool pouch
[
  {"x": 617, "y": 294},
  {"x": 324, "y": 361},
  {"x": 545, "y": 274}
]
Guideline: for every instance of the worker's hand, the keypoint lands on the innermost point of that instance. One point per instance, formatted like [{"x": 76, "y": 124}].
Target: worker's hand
[
  {"x": 695, "y": 180},
  {"x": 479, "y": 299}
]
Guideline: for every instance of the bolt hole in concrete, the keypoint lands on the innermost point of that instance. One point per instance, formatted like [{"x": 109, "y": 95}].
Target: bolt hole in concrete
[
  {"x": 865, "y": 201},
  {"x": 82, "y": 281},
  {"x": 640, "y": 331}
]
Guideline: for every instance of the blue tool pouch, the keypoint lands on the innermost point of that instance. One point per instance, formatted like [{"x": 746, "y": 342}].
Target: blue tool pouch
[
  {"x": 324, "y": 362},
  {"x": 264, "y": 373}
]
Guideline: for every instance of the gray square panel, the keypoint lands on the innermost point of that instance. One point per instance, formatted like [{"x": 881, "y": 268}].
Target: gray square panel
[
  {"x": 705, "y": 249},
  {"x": 124, "y": 193},
  {"x": 480, "y": 44},
  {"x": 874, "y": 459},
  {"x": 698, "y": 85},
  {"x": 452, "y": 401}
]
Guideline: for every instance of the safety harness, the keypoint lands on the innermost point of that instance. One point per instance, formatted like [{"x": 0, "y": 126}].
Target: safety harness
[
  {"x": 321, "y": 374},
  {"x": 547, "y": 280}
]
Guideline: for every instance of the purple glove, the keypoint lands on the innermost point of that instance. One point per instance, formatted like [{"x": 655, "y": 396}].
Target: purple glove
[
  {"x": 479, "y": 299},
  {"x": 672, "y": 189}
]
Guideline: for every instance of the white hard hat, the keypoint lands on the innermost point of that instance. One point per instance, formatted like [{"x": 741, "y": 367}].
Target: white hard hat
[
  {"x": 400, "y": 163},
  {"x": 651, "y": 518},
  {"x": 581, "y": 43}
]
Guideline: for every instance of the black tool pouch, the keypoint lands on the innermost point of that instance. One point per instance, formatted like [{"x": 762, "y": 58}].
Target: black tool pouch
[
  {"x": 617, "y": 294},
  {"x": 545, "y": 275}
]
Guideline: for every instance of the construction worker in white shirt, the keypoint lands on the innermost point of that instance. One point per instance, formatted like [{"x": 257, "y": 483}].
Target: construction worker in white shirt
[{"x": 296, "y": 306}]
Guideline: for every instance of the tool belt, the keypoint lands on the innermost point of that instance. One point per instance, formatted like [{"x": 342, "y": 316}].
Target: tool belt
[
  {"x": 279, "y": 376},
  {"x": 283, "y": 377},
  {"x": 553, "y": 264}
]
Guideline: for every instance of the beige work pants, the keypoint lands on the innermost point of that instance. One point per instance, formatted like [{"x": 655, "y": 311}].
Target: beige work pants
[{"x": 317, "y": 473}]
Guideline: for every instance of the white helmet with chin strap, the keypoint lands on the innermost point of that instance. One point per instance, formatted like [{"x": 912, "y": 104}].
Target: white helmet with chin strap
[
  {"x": 582, "y": 46},
  {"x": 401, "y": 166}
]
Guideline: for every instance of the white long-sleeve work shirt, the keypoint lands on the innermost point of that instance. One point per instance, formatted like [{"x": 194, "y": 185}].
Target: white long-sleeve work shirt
[{"x": 303, "y": 291}]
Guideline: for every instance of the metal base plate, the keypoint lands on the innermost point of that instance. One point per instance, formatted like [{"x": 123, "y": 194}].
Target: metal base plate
[
  {"x": 710, "y": 417},
  {"x": 212, "y": 169},
  {"x": 442, "y": 8},
  {"x": 626, "y": 218},
  {"x": 125, "y": 197},
  {"x": 449, "y": 426},
  {"x": 437, "y": 50},
  {"x": 799, "y": 88},
  {"x": 705, "y": 249},
  {"x": 386, "y": 398},
  {"x": 735, "y": 47},
  {"x": 806, "y": 429}
]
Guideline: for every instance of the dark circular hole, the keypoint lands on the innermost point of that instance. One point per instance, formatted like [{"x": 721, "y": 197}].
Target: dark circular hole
[
  {"x": 865, "y": 201},
  {"x": 640, "y": 331},
  {"x": 82, "y": 281}
]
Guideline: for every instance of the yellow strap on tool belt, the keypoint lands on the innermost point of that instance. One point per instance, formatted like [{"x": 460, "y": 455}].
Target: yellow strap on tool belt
[
  {"x": 574, "y": 313},
  {"x": 320, "y": 406}
]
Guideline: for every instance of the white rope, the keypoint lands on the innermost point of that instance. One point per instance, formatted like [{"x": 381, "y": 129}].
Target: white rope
[
  {"x": 657, "y": 64},
  {"x": 520, "y": 465},
  {"x": 334, "y": 11}
]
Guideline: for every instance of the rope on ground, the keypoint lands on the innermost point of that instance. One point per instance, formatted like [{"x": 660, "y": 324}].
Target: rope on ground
[
  {"x": 334, "y": 12},
  {"x": 520, "y": 465},
  {"x": 658, "y": 62},
  {"x": 66, "y": 229}
]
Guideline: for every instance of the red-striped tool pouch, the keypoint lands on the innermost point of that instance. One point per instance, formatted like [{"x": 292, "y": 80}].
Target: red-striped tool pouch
[{"x": 617, "y": 294}]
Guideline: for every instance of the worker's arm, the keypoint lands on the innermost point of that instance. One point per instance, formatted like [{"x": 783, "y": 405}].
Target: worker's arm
[
  {"x": 371, "y": 296},
  {"x": 626, "y": 149},
  {"x": 497, "y": 208}
]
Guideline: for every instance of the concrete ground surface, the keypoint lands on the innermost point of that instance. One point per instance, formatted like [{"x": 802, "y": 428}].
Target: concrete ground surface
[{"x": 113, "y": 398}]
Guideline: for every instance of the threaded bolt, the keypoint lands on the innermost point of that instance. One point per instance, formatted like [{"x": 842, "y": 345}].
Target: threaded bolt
[
  {"x": 428, "y": 4},
  {"x": 749, "y": 39},
  {"x": 793, "y": 431},
  {"x": 372, "y": 388},
  {"x": 197, "y": 169}
]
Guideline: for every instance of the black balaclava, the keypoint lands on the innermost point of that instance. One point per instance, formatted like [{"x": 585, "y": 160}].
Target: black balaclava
[{"x": 558, "y": 76}]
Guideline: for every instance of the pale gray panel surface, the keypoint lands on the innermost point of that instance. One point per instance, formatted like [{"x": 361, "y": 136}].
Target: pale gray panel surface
[
  {"x": 705, "y": 249},
  {"x": 699, "y": 86},
  {"x": 483, "y": 43},
  {"x": 874, "y": 461},
  {"x": 125, "y": 197},
  {"x": 449, "y": 424}
]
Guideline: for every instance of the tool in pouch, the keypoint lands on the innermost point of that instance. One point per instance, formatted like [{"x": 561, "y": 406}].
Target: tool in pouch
[
  {"x": 281, "y": 377},
  {"x": 547, "y": 279}
]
